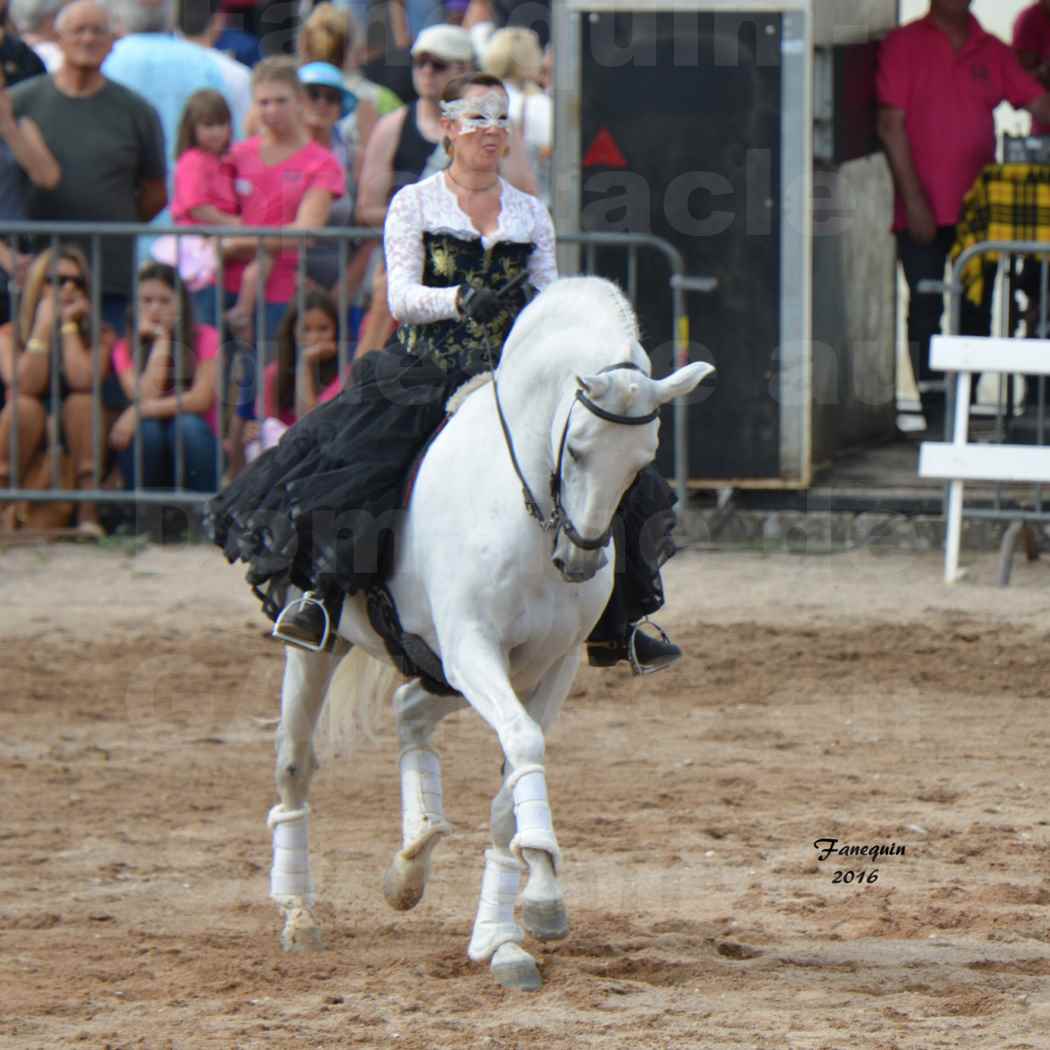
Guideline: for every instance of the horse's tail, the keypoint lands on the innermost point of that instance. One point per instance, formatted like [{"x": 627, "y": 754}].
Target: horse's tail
[{"x": 361, "y": 685}]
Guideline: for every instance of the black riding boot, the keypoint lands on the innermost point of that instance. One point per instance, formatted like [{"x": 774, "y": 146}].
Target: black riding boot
[
  {"x": 310, "y": 622},
  {"x": 643, "y": 526},
  {"x": 615, "y": 638}
]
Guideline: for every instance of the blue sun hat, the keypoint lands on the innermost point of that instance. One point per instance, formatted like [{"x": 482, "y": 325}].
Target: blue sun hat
[{"x": 324, "y": 74}]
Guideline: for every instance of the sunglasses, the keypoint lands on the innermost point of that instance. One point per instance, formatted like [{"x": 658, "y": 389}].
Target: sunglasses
[
  {"x": 72, "y": 278},
  {"x": 419, "y": 61},
  {"x": 324, "y": 94}
]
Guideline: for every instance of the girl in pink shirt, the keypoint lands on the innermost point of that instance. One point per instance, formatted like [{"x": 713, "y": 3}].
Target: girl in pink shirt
[
  {"x": 205, "y": 195},
  {"x": 306, "y": 372},
  {"x": 281, "y": 177},
  {"x": 174, "y": 376},
  {"x": 204, "y": 190}
]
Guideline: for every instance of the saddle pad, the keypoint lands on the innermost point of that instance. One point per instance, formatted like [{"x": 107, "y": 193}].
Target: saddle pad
[{"x": 411, "y": 655}]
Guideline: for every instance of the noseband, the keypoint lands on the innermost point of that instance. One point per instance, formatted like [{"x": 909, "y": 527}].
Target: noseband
[{"x": 559, "y": 520}]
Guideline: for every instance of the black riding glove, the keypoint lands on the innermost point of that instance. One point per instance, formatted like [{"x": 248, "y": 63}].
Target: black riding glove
[{"x": 479, "y": 304}]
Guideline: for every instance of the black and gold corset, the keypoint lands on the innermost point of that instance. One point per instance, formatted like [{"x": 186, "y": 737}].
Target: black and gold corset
[{"x": 448, "y": 261}]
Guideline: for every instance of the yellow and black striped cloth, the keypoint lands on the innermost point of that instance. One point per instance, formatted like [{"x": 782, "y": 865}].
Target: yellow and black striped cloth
[{"x": 1008, "y": 202}]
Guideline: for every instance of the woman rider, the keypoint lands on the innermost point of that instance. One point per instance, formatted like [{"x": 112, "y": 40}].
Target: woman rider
[{"x": 317, "y": 510}]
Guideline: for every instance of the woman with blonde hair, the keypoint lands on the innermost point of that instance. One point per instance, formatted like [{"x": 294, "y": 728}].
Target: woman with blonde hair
[
  {"x": 514, "y": 55},
  {"x": 328, "y": 35},
  {"x": 53, "y": 331}
]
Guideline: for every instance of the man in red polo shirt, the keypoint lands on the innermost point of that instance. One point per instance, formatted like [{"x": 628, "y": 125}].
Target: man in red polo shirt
[
  {"x": 940, "y": 79},
  {"x": 1031, "y": 40}
]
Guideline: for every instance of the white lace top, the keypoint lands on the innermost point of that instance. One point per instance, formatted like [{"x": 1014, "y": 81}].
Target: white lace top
[{"x": 430, "y": 206}]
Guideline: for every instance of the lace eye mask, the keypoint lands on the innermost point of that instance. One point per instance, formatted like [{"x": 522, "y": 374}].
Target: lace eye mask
[{"x": 475, "y": 114}]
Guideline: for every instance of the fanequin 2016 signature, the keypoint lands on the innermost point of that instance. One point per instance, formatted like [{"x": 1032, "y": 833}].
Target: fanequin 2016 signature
[{"x": 828, "y": 847}]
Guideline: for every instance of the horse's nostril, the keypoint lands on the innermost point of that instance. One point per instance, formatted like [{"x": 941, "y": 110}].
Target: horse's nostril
[{"x": 559, "y": 564}]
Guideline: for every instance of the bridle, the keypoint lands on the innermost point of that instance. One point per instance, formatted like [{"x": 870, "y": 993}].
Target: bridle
[{"x": 559, "y": 520}]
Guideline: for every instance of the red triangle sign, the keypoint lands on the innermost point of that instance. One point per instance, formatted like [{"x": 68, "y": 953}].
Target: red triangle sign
[{"x": 604, "y": 153}]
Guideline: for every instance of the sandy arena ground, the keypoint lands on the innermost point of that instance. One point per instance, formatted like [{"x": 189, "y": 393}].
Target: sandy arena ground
[{"x": 848, "y": 696}]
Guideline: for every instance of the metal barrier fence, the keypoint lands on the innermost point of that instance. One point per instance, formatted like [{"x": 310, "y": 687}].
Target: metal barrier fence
[
  {"x": 185, "y": 246},
  {"x": 1024, "y": 267}
]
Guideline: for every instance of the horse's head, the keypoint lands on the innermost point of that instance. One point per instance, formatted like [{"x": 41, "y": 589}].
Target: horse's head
[{"x": 606, "y": 435}]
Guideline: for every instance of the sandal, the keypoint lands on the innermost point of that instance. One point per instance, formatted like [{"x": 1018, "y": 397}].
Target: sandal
[{"x": 90, "y": 530}]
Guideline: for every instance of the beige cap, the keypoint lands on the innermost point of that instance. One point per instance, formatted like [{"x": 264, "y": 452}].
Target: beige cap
[{"x": 450, "y": 43}]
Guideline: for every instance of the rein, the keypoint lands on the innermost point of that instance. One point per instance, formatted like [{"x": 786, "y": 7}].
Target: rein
[{"x": 559, "y": 520}]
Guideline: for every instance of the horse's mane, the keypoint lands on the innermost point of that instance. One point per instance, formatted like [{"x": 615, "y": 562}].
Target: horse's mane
[
  {"x": 571, "y": 304},
  {"x": 628, "y": 318}
]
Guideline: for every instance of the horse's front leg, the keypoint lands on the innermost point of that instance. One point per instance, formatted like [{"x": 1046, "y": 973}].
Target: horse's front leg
[
  {"x": 543, "y": 913},
  {"x": 522, "y": 826},
  {"x": 423, "y": 822},
  {"x": 306, "y": 678}
]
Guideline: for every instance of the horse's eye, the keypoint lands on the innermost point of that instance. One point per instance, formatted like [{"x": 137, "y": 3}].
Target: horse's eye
[{"x": 573, "y": 454}]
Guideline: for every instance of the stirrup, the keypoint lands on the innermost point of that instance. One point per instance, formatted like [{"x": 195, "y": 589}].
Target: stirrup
[
  {"x": 306, "y": 599},
  {"x": 632, "y": 653}
]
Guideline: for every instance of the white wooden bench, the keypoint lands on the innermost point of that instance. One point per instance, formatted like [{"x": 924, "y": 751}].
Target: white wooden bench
[{"x": 959, "y": 461}]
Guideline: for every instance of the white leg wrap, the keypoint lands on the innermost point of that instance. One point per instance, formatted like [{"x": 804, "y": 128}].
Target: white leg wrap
[
  {"x": 422, "y": 806},
  {"x": 494, "y": 925},
  {"x": 290, "y": 874},
  {"x": 532, "y": 814}
]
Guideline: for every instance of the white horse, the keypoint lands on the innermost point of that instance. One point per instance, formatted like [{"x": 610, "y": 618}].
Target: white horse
[{"x": 505, "y": 602}]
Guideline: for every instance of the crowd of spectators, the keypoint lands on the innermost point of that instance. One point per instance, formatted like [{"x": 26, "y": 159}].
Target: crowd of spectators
[
  {"x": 130, "y": 361},
  {"x": 296, "y": 117},
  {"x": 940, "y": 79}
]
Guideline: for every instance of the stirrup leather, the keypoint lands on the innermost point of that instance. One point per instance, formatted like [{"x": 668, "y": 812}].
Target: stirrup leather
[
  {"x": 632, "y": 653},
  {"x": 306, "y": 599}
]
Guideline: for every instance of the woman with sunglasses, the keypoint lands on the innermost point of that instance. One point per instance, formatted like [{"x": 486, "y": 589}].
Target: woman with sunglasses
[
  {"x": 330, "y": 35},
  {"x": 328, "y": 103},
  {"x": 318, "y": 510},
  {"x": 406, "y": 145},
  {"x": 49, "y": 349}
]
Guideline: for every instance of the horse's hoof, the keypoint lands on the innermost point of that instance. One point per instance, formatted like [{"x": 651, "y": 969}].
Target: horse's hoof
[
  {"x": 406, "y": 879},
  {"x": 514, "y": 968},
  {"x": 301, "y": 932},
  {"x": 545, "y": 920}
]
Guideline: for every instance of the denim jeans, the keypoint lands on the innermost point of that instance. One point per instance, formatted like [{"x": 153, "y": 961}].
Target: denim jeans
[{"x": 158, "y": 454}]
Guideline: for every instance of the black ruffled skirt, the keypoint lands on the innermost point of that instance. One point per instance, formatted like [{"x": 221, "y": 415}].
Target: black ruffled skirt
[{"x": 319, "y": 511}]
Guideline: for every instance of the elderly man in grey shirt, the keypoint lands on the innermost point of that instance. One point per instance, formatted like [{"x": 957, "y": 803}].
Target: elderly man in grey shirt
[{"x": 108, "y": 143}]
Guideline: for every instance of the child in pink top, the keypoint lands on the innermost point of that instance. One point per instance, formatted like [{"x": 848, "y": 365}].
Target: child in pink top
[
  {"x": 205, "y": 195},
  {"x": 306, "y": 372},
  {"x": 204, "y": 190}
]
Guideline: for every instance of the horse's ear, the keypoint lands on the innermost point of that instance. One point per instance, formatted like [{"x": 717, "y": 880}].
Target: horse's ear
[
  {"x": 595, "y": 387},
  {"x": 682, "y": 382}
]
